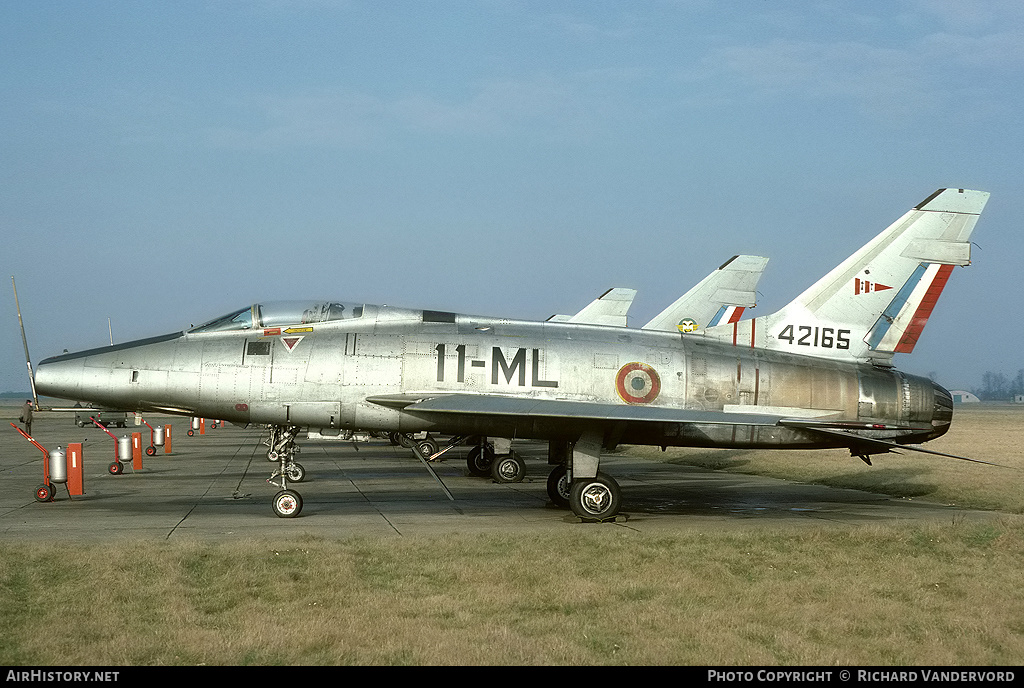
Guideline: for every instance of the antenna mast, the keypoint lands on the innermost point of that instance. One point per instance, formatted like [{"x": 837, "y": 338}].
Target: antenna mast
[{"x": 28, "y": 361}]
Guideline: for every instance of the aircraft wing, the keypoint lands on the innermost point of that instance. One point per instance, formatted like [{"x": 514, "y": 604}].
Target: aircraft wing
[
  {"x": 527, "y": 407},
  {"x": 844, "y": 433},
  {"x": 717, "y": 299},
  {"x": 609, "y": 308}
]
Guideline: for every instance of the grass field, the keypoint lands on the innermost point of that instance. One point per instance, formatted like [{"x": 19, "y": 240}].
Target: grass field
[
  {"x": 942, "y": 594},
  {"x": 898, "y": 594}
]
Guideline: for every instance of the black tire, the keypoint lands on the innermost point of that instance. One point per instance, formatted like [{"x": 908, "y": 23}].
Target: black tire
[
  {"x": 428, "y": 447},
  {"x": 116, "y": 468},
  {"x": 479, "y": 460},
  {"x": 44, "y": 493},
  {"x": 559, "y": 488},
  {"x": 508, "y": 468},
  {"x": 405, "y": 441},
  {"x": 295, "y": 472},
  {"x": 150, "y": 451},
  {"x": 287, "y": 504},
  {"x": 595, "y": 499}
]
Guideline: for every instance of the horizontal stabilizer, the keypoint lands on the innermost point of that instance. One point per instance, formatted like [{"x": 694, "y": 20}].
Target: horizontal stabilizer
[{"x": 870, "y": 445}]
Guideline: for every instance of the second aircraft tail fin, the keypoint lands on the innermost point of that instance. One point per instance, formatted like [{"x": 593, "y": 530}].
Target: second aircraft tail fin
[{"x": 719, "y": 298}]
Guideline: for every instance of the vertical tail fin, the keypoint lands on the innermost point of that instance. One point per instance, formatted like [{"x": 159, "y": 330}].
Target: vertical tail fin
[
  {"x": 610, "y": 308},
  {"x": 876, "y": 302},
  {"x": 719, "y": 298}
]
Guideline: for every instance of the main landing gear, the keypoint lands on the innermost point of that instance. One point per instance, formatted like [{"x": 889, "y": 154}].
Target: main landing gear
[
  {"x": 576, "y": 483},
  {"x": 496, "y": 460},
  {"x": 287, "y": 503}
]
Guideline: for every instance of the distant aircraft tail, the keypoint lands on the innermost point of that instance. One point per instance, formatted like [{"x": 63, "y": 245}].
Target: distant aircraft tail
[
  {"x": 875, "y": 303},
  {"x": 610, "y": 308},
  {"x": 719, "y": 298}
]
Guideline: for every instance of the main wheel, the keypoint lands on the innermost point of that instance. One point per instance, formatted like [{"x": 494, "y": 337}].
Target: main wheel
[
  {"x": 428, "y": 447},
  {"x": 558, "y": 486},
  {"x": 479, "y": 460},
  {"x": 295, "y": 472},
  {"x": 287, "y": 504},
  {"x": 508, "y": 468},
  {"x": 595, "y": 499},
  {"x": 44, "y": 493},
  {"x": 116, "y": 468},
  {"x": 150, "y": 451}
]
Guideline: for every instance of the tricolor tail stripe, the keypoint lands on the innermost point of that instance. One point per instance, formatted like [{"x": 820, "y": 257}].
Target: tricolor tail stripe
[
  {"x": 924, "y": 310},
  {"x": 903, "y": 320},
  {"x": 727, "y": 315}
]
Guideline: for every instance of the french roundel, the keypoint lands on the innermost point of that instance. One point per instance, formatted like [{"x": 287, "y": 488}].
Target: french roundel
[{"x": 637, "y": 383}]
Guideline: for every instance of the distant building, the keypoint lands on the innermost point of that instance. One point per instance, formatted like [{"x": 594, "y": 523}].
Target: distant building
[
  {"x": 1018, "y": 398},
  {"x": 962, "y": 397}
]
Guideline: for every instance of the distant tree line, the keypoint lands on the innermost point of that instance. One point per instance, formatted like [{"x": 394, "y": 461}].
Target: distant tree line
[{"x": 999, "y": 387}]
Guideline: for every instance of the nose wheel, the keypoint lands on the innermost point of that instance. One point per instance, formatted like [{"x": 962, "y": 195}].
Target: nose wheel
[{"x": 287, "y": 503}]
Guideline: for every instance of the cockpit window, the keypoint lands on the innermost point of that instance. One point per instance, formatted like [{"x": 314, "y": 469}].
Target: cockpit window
[
  {"x": 236, "y": 320},
  {"x": 281, "y": 313},
  {"x": 305, "y": 313}
]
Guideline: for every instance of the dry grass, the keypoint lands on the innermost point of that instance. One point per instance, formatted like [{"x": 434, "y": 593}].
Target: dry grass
[{"x": 879, "y": 595}]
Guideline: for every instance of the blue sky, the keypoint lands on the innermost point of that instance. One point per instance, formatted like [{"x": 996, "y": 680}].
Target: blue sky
[{"x": 164, "y": 162}]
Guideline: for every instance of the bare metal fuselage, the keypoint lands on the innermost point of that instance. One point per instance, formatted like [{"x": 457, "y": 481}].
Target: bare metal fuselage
[{"x": 334, "y": 375}]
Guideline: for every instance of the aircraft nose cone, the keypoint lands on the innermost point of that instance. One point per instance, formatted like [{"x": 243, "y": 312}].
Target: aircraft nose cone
[{"x": 59, "y": 377}]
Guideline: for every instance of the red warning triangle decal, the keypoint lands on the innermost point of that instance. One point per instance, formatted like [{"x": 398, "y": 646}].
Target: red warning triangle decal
[
  {"x": 865, "y": 287},
  {"x": 291, "y": 342}
]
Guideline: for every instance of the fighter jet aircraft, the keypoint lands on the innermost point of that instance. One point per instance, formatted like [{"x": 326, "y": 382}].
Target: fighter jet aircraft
[{"x": 817, "y": 374}]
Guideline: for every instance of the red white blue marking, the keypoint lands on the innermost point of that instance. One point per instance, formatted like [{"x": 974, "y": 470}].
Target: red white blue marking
[
  {"x": 904, "y": 319},
  {"x": 637, "y": 383},
  {"x": 727, "y": 315}
]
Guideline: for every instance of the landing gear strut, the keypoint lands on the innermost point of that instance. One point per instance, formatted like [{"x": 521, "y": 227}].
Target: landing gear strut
[{"x": 287, "y": 503}]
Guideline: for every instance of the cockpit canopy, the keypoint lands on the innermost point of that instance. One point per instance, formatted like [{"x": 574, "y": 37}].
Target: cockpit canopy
[{"x": 281, "y": 313}]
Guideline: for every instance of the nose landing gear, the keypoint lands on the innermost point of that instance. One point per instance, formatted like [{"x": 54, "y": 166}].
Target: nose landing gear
[{"x": 287, "y": 503}]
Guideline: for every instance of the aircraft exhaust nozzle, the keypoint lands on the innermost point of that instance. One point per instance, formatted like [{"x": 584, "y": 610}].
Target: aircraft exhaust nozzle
[{"x": 942, "y": 413}]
